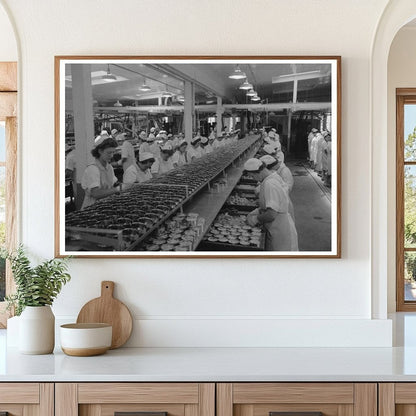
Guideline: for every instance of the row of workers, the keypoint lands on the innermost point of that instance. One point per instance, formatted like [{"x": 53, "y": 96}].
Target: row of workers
[
  {"x": 99, "y": 180},
  {"x": 320, "y": 154}
]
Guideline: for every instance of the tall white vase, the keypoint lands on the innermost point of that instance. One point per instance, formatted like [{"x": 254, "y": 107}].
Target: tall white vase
[{"x": 37, "y": 330}]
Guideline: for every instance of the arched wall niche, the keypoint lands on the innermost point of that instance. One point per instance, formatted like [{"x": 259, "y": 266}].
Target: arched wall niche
[
  {"x": 396, "y": 15},
  {"x": 8, "y": 44}
]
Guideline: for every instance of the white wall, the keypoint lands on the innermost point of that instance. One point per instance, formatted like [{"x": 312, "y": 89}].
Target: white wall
[
  {"x": 197, "y": 302},
  {"x": 8, "y": 46},
  {"x": 401, "y": 74}
]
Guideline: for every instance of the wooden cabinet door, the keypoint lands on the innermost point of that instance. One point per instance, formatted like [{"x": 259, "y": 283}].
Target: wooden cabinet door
[
  {"x": 145, "y": 399},
  {"x": 26, "y": 399},
  {"x": 297, "y": 399},
  {"x": 397, "y": 399}
]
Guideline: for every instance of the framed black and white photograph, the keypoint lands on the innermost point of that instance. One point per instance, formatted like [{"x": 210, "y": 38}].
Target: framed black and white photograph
[{"x": 198, "y": 156}]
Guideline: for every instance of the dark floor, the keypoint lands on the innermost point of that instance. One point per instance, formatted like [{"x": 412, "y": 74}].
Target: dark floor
[{"x": 312, "y": 205}]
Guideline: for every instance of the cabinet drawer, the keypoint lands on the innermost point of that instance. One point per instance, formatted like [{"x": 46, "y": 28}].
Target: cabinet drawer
[
  {"x": 107, "y": 399},
  {"x": 309, "y": 399},
  {"x": 21, "y": 399}
]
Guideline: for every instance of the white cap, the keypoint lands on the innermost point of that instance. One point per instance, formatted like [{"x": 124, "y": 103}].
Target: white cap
[
  {"x": 152, "y": 130},
  {"x": 104, "y": 133},
  {"x": 270, "y": 149},
  {"x": 280, "y": 157},
  {"x": 268, "y": 160},
  {"x": 271, "y": 133},
  {"x": 196, "y": 139},
  {"x": 113, "y": 132},
  {"x": 204, "y": 140},
  {"x": 183, "y": 141},
  {"x": 145, "y": 156},
  {"x": 314, "y": 130},
  {"x": 273, "y": 129},
  {"x": 150, "y": 137},
  {"x": 253, "y": 164},
  {"x": 167, "y": 146},
  {"x": 142, "y": 134}
]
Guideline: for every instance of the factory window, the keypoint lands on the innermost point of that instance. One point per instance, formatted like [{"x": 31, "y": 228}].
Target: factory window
[{"x": 406, "y": 200}]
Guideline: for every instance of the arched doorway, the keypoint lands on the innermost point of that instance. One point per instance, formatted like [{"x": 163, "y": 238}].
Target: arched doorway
[{"x": 395, "y": 16}]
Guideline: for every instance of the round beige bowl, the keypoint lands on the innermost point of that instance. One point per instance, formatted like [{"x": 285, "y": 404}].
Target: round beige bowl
[{"x": 83, "y": 340}]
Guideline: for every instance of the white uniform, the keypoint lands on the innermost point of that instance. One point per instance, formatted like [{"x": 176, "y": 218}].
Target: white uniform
[
  {"x": 96, "y": 176},
  {"x": 319, "y": 150},
  {"x": 179, "y": 158},
  {"x": 134, "y": 174},
  {"x": 193, "y": 153},
  {"x": 216, "y": 144},
  {"x": 70, "y": 160},
  {"x": 161, "y": 166},
  {"x": 281, "y": 232},
  {"x": 127, "y": 152},
  {"x": 285, "y": 173}
]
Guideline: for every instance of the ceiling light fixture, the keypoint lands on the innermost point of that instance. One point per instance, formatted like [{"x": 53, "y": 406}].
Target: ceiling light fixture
[
  {"x": 117, "y": 104},
  {"x": 237, "y": 73},
  {"x": 109, "y": 76},
  {"x": 246, "y": 85},
  {"x": 255, "y": 98},
  {"x": 144, "y": 87},
  {"x": 251, "y": 93}
]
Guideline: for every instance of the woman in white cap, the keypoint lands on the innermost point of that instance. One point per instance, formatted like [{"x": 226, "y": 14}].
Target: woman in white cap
[
  {"x": 273, "y": 165},
  {"x": 205, "y": 146},
  {"x": 194, "y": 151},
  {"x": 164, "y": 163},
  {"x": 273, "y": 150},
  {"x": 98, "y": 180},
  {"x": 180, "y": 157},
  {"x": 273, "y": 212},
  {"x": 140, "y": 171},
  {"x": 218, "y": 142}
]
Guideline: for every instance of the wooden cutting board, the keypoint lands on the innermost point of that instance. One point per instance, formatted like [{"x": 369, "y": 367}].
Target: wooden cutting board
[{"x": 107, "y": 309}]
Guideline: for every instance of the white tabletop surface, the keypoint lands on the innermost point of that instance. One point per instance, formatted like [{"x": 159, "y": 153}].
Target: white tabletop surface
[
  {"x": 222, "y": 364},
  {"x": 215, "y": 364}
]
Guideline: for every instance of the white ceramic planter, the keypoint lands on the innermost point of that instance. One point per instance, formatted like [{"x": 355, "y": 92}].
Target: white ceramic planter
[{"x": 37, "y": 330}]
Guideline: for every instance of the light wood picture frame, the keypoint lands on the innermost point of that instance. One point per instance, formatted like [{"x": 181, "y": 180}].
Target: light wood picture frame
[{"x": 199, "y": 209}]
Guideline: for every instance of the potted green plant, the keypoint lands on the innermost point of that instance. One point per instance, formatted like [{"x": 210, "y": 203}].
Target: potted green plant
[{"x": 36, "y": 289}]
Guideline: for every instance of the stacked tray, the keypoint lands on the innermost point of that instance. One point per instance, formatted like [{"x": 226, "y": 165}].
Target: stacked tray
[{"x": 230, "y": 232}]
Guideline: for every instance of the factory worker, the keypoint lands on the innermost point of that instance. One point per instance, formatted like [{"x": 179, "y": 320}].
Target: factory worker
[
  {"x": 311, "y": 135},
  {"x": 127, "y": 154},
  {"x": 150, "y": 146},
  {"x": 180, "y": 157},
  {"x": 140, "y": 171},
  {"x": 284, "y": 172},
  {"x": 327, "y": 160},
  {"x": 218, "y": 142},
  {"x": 273, "y": 164},
  {"x": 194, "y": 150},
  {"x": 273, "y": 211},
  {"x": 98, "y": 180},
  {"x": 164, "y": 163},
  {"x": 318, "y": 149},
  {"x": 314, "y": 149},
  {"x": 272, "y": 150},
  {"x": 211, "y": 134},
  {"x": 205, "y": 146}
]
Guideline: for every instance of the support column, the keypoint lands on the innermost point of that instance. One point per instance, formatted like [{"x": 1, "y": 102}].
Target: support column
[
  {"x": 83, "y": 122},
  {"x": 189, "y": 111},
  {"x": 289, "y": 129},
  {"x": 220, "y": 110}
]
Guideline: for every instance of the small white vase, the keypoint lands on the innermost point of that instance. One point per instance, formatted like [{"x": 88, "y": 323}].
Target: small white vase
[{"x": 37, "y": 330}]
